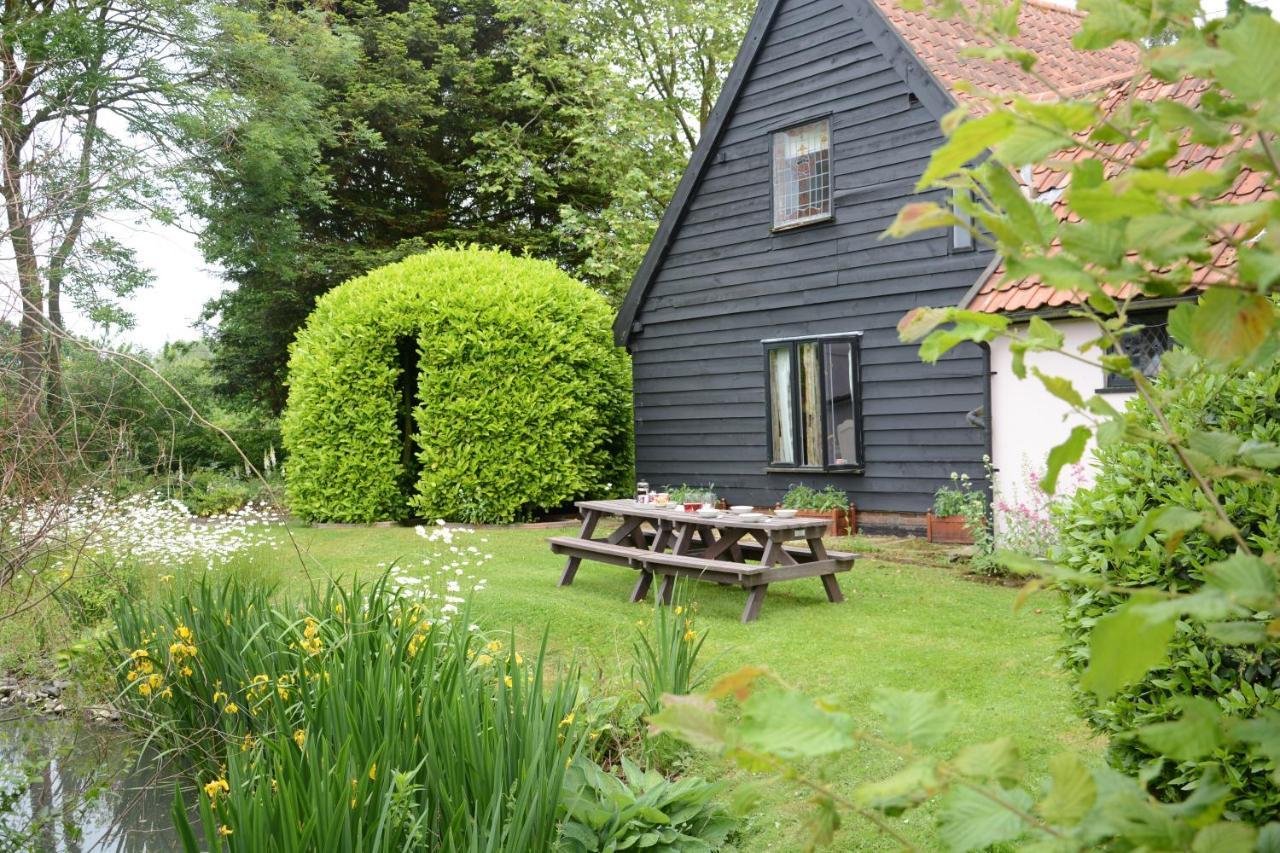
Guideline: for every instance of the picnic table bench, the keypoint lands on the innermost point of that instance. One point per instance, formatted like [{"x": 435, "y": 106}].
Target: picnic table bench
[{"x": 671, "y": 543}]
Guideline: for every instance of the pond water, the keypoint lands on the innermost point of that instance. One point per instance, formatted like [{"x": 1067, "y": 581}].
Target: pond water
[{"x": 73, "y": 787}]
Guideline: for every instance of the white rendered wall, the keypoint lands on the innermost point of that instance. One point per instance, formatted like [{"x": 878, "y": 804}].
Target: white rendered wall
[{"x": 1026, "y": 420}]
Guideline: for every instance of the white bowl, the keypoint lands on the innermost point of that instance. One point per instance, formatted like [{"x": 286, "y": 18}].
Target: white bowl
[
  {"x": 708, "y": 513},
  {"x": 740, "y": 509},
  {"x": 751, "y": 516},
  {"x": 785, "y": 513}
]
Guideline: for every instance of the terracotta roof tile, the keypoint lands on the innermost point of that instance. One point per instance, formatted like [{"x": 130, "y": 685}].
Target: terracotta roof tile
[
  {"x": 995, "y": 295},
  {"x": 1045, "y": 28}
]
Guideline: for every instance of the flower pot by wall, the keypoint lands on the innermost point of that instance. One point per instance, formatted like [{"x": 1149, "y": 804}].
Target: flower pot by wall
[
  {"x": 947, "y": 529},
  {"x": 839, "y": 519}
]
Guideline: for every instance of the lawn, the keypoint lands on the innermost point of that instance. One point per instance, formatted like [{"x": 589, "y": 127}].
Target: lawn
[
  {"x": 903, "y": 625},
  {"x": 910, "y": 621}
]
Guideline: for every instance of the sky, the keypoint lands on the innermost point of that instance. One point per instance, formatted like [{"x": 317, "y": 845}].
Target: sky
[{"x": 184, "y": 282}]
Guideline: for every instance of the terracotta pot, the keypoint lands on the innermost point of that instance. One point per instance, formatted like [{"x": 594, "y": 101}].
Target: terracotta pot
[
  {"x": 947, "y": 529},
  {"x": 839, "y": 519}
]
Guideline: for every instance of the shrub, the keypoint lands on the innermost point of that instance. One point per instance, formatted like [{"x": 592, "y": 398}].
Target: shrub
[
  {"x": 521, "y": 401},
  {"x": 642, "y": 811},
  {"x": 1132, "y": 479},
  {"x": 805, "y": 497},
  {"x": 352, "y": 718}
]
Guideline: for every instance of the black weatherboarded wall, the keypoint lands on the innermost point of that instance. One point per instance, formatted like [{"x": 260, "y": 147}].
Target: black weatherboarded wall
[{"x": 720, "y": 281}]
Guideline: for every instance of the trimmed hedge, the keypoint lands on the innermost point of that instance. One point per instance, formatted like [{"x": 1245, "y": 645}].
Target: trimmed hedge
[
  {"x": 1132, "y": 479},
  {"x": 523, "y": 401}
]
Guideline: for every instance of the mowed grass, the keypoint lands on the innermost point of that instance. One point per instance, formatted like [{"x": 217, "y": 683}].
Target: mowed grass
[{"x": 905, "y": 626}]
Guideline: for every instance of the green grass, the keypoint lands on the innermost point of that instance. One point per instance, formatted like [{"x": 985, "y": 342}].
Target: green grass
[
  {"x": 903, "y": 625},
  {"x": 911, "y": 624}
]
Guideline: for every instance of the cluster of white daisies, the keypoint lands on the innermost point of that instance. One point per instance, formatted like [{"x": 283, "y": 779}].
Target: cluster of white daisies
[{"x": 447, "y": 573}]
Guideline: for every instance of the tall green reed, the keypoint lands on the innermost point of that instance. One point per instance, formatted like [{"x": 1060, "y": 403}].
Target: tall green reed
[
  {"x": 665, "y": 651},
  {"x": 353, "y": 719}
]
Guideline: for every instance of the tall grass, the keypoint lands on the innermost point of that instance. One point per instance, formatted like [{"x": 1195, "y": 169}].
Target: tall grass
[
  {"x": 352, "y": 719},
  {"x": 666, "y": 652}
]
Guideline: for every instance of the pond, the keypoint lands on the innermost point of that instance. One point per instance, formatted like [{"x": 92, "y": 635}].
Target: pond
[{"x": 75, "y": 787}]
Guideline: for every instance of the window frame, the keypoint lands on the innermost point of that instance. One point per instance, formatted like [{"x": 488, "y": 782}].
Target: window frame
[
  {"x": 959, "y": 232},
  {"x": 793, "y": 345},
  {"x": 774, "y": 134},
  {"x": 1114, "y": 383}
]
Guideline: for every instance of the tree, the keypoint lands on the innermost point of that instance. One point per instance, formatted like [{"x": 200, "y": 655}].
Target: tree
[
  {"x": 373, "y": 130},
  {"x": 93, "y": 97},
  {"x": 637, "y": 82},
  {"x": 347, "y": 149}
]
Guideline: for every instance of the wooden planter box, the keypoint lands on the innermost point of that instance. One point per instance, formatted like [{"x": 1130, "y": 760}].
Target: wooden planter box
[
  {"x": 947, "y": 529},
  {"x": 839, "y": 519}
]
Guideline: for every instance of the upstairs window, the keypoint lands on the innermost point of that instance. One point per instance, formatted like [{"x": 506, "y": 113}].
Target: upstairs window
[
  {"x": 813, "y": 403},
  {"x": 802, "y": 174},
  {"x": 961, "y": 236},
  {"x": 1144, "y": 347}
]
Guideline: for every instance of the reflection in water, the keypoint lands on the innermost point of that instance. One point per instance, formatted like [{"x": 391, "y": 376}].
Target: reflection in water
[{"x": 70, "y": 787}]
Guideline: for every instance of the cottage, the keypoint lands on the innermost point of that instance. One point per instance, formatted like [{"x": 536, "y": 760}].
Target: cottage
[{"x": 762, "y": 320}]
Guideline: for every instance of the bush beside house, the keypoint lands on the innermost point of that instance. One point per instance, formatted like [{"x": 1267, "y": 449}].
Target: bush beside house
[
  {"x": 1132, "y": 479},
  {"x": 520, "y": 401}
]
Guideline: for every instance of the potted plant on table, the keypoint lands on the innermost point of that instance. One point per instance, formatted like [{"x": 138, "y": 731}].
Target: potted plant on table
[
  {"x": 830, "y": 503},
  {"x": 957, "y": 510}
]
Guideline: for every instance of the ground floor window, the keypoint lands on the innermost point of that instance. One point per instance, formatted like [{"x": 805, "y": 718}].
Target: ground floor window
[
  {"x": 1144, "y": 347},
  {"x": 813, "y": 401}
]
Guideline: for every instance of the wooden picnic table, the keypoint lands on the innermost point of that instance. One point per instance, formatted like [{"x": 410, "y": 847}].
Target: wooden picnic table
[{"x": 727, "y": 549}]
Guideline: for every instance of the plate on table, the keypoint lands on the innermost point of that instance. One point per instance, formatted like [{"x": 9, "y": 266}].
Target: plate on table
[{"x": 751, "y": 516}]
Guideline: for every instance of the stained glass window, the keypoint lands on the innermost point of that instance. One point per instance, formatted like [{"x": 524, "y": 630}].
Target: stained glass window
[{"x": 802, "y": 174}]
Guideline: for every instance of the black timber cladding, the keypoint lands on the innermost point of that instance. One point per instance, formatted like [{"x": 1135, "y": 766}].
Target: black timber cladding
[{"x": 717, "y": 281}]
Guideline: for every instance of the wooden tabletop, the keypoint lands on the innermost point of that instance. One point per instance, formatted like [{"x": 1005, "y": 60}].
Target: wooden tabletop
[{"x": 626, "y": 506}]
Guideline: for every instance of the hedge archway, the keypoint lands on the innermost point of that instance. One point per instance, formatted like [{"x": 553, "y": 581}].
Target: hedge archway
[{"x": 521, "y": 401}]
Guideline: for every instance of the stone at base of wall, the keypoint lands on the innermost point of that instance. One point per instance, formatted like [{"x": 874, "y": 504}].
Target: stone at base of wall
[{"x": 891, "y": 523}]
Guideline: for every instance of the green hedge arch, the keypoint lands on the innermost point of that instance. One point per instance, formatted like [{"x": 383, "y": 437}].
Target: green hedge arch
[{"x": 522, "y": 400}]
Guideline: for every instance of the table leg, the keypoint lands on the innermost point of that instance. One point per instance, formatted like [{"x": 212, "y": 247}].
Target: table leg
[
  {"x": 829, "y": 583},
  {"x": 663, "y": 537},
  {"x": 667, "y": 589},
  {"x": 589, "y": 520},
  {"x": 755, "y": 598},
  {"x": 641, "y": 592}
]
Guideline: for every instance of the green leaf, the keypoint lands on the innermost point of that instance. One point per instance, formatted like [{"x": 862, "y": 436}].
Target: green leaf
[
  {"x": 692, "y": 719},
  {"x": 1237, "y": 633},
  {"x": 1197, "y": 733},
  {"x": 1225, "y": 837},
  {"x": 920, "y": 216},
  {"x": 1245, "y": 579},
  {"x": 919, "y": 322},
  {"x": 971, "y": 821},
  {"x": 1107, "y": 22},
  {"x": 1042, "y": 335},
  {"x": 1124, "y": 646},
  {"x": 995, "y": 761},
  {"x": 1066, "y": 453},
  {"x": 1254, "y": 70},
  {"x": 915, "y": 718},
  {"x": 1269, "y": 838},
  {"x": 789, "y": 724},
  {"x": 967, "y": 141},
  {"x": 1262, "y": 734},
  {"x": 1229, "y": 324},
  {"x": 1061, "y": 388},
  {"x": 1030, "y": 143},
  {"x": 909, "y": 786},
  {"x": 1218, "y": 446},
  {"x": 1174, "y": 520},
  {"x": 1260, "y": 454},
  {"x": 1072, "y": 791}
]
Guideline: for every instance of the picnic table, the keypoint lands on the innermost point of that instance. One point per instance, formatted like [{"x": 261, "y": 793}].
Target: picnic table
[{"x": 727, "y": 549}]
